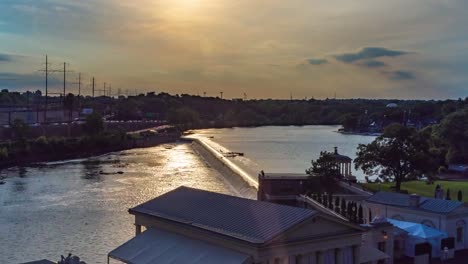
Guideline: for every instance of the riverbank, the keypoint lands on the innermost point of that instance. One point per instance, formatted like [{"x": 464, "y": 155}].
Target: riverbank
[{"x": 57, "y": 149}]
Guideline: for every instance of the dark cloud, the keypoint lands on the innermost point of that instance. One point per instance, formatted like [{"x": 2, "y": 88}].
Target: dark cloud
[
  {"x": 12, "y": 81},
  {"x": 368, "y": 53},
  {"x": 401, "y": 75},
  {"x": 372, "y": 64},
  {"x": 5, "y": 58},
  {"x": 314, "y": 61}
]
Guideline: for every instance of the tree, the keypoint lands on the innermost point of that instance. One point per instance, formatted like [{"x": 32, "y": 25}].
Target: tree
[
  {"x": 350, "y": 122},
  {"x": 454, "y": 130},
  {"x": 448, "y": 195},
  {"x": 326, "y": 165},
  {"x": 20, "y": 129},
  {"x": 460, "y": 196},
  {"x": 399, "y": 154},
  {"x": 94, "y": 124}
]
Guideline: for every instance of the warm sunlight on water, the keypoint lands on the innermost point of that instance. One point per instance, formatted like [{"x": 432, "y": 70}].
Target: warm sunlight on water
[
  {"x": 283, "y": 149},
  {"x": 71, "y": 207}
]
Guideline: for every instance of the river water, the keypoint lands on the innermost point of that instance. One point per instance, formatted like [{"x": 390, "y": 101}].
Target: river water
[
  {"x": 50, "y": 210},
  {"x": 282, "y": 149},
  {"x": 62, "y": 207}
]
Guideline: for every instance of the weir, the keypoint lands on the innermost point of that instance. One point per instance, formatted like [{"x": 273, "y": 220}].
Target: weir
[{"x": 244, "y": 184}]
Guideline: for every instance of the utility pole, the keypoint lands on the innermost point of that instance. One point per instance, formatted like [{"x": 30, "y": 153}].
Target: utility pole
[
  {"x": 64, "y": 78},
  {"x": 221, "y": 95},
  {"x": 47, "y": 71},
  {"x": 93, "y": 87},
  {"x": 79, "y": 84},
  {"x": 110, "y": 90},
  {"x": 245, "y": 97},
  {"x": 46, "y": 85}
]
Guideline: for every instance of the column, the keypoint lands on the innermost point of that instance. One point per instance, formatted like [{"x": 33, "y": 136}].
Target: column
[
  {"x": 320, "y": 257},
  {"x": 338, "y": 256},
  {"x": 356, "y": 257},
  {"x": 137, "y": 229}
]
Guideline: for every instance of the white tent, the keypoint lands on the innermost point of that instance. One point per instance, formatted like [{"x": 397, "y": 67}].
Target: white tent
[
  {"x": 419, "y": 233},
  {"x": 162, "y": 247}
]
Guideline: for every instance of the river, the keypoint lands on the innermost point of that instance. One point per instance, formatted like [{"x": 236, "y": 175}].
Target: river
[
  {"x": 56, "y": 208},
  {"x": 283, "y": 149},
  {"x": 62, "y": 207}
]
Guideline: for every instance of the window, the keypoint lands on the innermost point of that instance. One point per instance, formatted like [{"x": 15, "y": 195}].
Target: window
[
  {"x": 459, "y": 234},
  {"x": 396, "y": 244},
  {"x": 381, "y": 246}
]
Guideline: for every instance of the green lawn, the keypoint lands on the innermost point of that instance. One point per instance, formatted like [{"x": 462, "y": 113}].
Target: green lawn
[{"x": 423, "y": 189}]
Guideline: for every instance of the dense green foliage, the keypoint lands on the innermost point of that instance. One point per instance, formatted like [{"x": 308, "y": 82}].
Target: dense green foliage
[
  {"x": 399, "y": 154},
  {"x": 454, "y": 131},
  {"x": 356, "y": 115},
  {"x": 325, "y": 165}
]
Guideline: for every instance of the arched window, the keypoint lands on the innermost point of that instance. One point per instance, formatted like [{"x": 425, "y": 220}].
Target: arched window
[{"x": 428, "y": 223}]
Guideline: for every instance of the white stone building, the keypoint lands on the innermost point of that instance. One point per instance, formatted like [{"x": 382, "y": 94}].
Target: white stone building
[{"x": 445, "y": 215}]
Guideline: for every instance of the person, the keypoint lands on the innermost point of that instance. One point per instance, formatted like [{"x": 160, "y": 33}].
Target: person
[{"x": 68, "y": 258}]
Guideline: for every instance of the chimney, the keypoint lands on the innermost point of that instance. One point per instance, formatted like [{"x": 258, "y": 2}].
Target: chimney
[{"x": 414, "y": 200}]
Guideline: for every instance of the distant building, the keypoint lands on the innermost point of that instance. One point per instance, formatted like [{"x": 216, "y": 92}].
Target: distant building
[
  {"x": 392, "y": 105},
  {"x": 194, "y": 226}
]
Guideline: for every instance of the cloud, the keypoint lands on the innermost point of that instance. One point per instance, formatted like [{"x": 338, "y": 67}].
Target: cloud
[
  {"x": 5, "y": 58},
  {"x": 316, "y": 61},
  {"x": 368, "y": 53},
  {"x": 372, "y": 64},
  {"x": 400, "y": 75},
  {"x": 14, "y": 81}
]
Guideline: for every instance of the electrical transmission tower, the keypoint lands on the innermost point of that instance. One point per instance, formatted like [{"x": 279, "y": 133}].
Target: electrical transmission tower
[{"x": 47, "y": 71}]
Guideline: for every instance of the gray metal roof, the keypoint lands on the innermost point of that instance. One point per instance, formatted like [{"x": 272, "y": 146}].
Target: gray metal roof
[
  {"x": 249, "y": 220},
  {"x": 43, "y": 261},
  {"x": 162, "y": 247},
  {"x": 425, "y": 203}
]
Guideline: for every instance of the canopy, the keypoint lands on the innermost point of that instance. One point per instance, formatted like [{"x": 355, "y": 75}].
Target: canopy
[
  {"x": 418, "y": 230},
  {"x": 369, "y": 254},
  {"x": 158, "y": 246},
  {"x": 419, "y": 233}
]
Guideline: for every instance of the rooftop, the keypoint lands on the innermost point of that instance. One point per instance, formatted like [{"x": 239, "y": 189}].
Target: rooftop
[
  {"x": 433, "y": 205},
  {"x": 231, "y": 216}
]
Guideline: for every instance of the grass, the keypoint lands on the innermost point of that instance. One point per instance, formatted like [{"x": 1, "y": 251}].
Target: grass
[{"x": 423, "y": 189}]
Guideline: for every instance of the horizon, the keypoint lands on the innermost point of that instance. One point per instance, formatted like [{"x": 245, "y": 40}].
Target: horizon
[{"x": 266, "y": 49}]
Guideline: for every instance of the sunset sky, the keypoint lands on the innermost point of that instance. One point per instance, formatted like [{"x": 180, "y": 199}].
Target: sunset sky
[{"x": 265, "y": 48}]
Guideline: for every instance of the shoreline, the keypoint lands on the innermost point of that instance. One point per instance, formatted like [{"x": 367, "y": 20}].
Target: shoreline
[
  {"x": 359, "y": 133},
  {"x": 33, "y": 159}
]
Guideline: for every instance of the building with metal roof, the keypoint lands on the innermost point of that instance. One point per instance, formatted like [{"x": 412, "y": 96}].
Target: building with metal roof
[
  {"x": 42, "y": 261},
  {"x": 448, "y": 216},
  {"x": 245, "y": 230}
]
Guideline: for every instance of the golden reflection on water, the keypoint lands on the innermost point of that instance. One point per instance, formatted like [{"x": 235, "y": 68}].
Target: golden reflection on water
[{"x": 71, "y": 207}]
